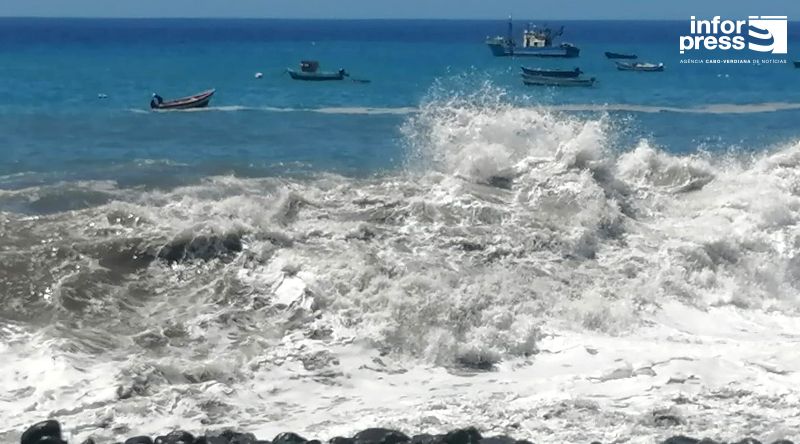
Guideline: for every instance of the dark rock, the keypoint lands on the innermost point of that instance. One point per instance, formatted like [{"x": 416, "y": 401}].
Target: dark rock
[
  {"x": 498, "y": 440},
  {"x": 525, "y": 441},
  {"x": 380, "y": 436},
  {"x": 341, "y": 440},
  {"x": 89, "y": 441},
  {"x": 748, "y": 441},
  {"x": 680, "y": 439},
  {"x": 314, "y": 441},
  {"x": 289, "y": 438},
  {"x": 783, "y": 441},
  {"x": 470, "y": 435},
  {"x": 44, "y": 429},
  {"x": 176, "y": 437},
  {"x": 427, "y": 439},
  {"x": 139, "y": 440},
  {"x": 708, "y": 441}
]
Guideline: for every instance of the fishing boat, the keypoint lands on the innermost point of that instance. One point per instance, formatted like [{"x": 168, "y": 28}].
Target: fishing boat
[
  {"x": 196, "y": 101},
  {"x": 644, "y": 67},
  {"x": 309, "y": 70},
  {"x": 552, "y": 72},
  {"x": 536, "y": 42},
  {"x": 556, "y": 81},
  {"x": 615, "y": 55},
  {"x": 796, "y": 63}
]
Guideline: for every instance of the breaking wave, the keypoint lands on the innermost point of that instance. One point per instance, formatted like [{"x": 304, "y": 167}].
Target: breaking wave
[{"x": 507, "y": 223}]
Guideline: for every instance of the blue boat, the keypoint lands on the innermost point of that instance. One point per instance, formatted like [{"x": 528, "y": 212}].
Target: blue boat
[
  {"x": 536, "y": 42},
  {"x": 309, "y": 70},
  {"x": 563, "y": 73}
]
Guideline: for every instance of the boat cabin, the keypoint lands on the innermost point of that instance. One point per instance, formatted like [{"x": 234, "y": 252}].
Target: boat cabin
[
  {"x": 539, "y": 37},
  {"x": 309, "y": 65}
]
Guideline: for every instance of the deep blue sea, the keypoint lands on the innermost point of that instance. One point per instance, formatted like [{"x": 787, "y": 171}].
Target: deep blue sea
[{"x": 54, "y": 127}]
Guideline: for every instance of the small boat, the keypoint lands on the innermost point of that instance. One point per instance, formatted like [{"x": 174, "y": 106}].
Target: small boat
[
  {"x": 309, "y": 70},
  {"x": 552, "y": 72},
  {"x": 536, "y": 42},
  {"x": 644, "y": 67},
  {"x": 796, "y": 63},
  {"x": 556, "y": 81},
  {"x": 615, "y": 55},
  {"x": 196, "y": 101}
]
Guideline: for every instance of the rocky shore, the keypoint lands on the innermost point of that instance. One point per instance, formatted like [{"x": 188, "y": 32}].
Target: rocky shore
[{"x": 49, "y": 432}]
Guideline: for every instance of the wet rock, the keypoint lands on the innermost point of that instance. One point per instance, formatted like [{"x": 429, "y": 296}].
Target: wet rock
[
  {"x": 748, "y": 441},
  {"x": 470, "y": 435},
  {"x": 427, "y": 439},
  {"x": 41, "y": 431},
  {"x": 380, "y": 436},
  {"x": 498, "y": 440},
  {"x": 88, "y": 441},
  {"x": 289, "y": 438},
  {"x": 176, "y": 437},
  {"x": 139, "y": 440},
  {"x": 341, "y": 440},
  {"x": 783, "y": 441},
  {"x": 680, "y": 439}
]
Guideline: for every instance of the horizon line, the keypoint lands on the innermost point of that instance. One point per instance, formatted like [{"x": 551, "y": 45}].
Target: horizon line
[{"x": 76, "y": 17}]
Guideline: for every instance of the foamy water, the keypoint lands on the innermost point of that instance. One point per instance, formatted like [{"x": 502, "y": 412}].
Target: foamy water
[{"x": 523, "y": 274}]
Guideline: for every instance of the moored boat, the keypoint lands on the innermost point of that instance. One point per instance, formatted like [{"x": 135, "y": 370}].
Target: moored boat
[
  {"x": 200, "y": 100},
  {"x": 309, "y": 70},
  {"x": 552, "y": 72},
  {"x": 616, "y": 55},
  {"x": 536, "y": 42},
  {"x": 796, "y": 63},
  {"x": 556, "y": 81},
  {"x": 644, "y": 67}
]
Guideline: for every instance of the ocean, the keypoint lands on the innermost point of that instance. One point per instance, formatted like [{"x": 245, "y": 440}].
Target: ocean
[{"x": 442, "y": 246}]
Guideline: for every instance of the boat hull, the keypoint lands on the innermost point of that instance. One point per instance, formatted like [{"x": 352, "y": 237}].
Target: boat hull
[
  {"x": 614, "y": 55},
  {"x": 639, "y": 68},
  {"x": 197, "y": 101},
  {"x": 555, "y": 81},
  {"x": 315, "y": 76},
  {"x": 796, "y": 64},
  {"x": 559, "y": 73},
  {"x": 505, "y": 50}
]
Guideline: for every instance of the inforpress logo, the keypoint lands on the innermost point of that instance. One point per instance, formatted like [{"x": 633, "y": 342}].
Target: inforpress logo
[
  {"x": 767, "y": 34},
  {"x": 758, "y": 33}
]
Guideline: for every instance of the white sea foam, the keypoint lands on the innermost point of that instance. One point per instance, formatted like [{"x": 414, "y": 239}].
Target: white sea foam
[{"x": 602, "y": 284}]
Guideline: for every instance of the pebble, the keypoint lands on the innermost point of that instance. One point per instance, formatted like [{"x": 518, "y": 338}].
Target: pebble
[{"x": 49, "y": 432}]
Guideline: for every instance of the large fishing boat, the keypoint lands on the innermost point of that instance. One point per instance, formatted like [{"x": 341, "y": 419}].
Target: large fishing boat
[{"x": 536, "y": 42}]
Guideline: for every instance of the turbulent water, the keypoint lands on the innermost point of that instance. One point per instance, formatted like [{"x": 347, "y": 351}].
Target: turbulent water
[
  {"x": 547, "y": 270},
  {"x": 268, "y": 302}
]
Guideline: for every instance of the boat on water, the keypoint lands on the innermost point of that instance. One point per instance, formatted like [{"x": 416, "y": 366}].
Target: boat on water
[
  {"x": 616, "y": 55},
  {"x": 563, "y": 73},
  {"x": 309, "y": 70},
  {"x": 644, "y": 67},
  {"x": 556, "y": 81},
  {"x": 796, "y": 63},
  {"x": 200, "y": 100},
  {"x": 536, "y": 42}
]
